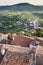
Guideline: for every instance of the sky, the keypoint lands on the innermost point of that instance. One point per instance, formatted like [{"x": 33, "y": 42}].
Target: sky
[{"x": 11, "y": 2}]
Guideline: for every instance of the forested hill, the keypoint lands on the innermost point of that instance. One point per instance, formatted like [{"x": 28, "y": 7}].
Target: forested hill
[{"x": 22, "y": 7}]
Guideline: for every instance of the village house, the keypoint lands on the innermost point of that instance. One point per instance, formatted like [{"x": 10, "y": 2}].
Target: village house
[
  {"x": 19, "y": 23},
  {"x": 39, "y": 55},
  {"x": 17, "y": 40},
  {"x": 22, "y": 50},
  {"x": 34, "y": 23},
  {"x": 16, "y": 55}
]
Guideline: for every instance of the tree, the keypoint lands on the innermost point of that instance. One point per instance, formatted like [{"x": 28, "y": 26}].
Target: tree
[{"x": 38, "y": 32}]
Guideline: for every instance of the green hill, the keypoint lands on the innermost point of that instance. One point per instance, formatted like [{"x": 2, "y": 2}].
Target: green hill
[{"x": 22, "y": 7}]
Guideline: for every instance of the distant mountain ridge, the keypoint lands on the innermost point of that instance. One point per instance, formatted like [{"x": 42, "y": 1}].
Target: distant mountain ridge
[{"x": 22, "y": 7}]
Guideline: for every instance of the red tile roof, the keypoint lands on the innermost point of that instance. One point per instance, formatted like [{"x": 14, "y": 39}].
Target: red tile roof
[
  {"x": 11, "y": 62},
  {"x": 19, "y": 59},
  {"x": 39, "y": 56},
  {"x": 41, "y": 42},
  {"x": 22, "y": 41},
  {"x": 39, "y": 59},
  {"x": 37, "y": 41},
  {"x": 15, "y": 56}
]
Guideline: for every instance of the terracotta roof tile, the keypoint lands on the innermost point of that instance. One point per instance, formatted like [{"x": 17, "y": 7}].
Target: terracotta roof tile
[
  {"x": 17, "y": 56},
  {"x": 21, "y": 40}
]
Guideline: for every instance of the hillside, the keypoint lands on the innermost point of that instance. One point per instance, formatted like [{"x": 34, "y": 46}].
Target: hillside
[
  {"x": 16, "y": 18},
  {"x": 22, "y": 7}
]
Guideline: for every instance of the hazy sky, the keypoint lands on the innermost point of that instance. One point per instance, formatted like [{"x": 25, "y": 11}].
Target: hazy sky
[{"x": 9, "y": 2}]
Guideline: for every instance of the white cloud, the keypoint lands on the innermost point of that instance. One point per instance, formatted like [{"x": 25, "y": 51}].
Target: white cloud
[{"x": 9, "y": 2}]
